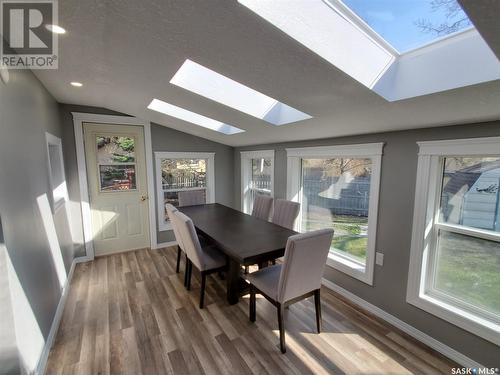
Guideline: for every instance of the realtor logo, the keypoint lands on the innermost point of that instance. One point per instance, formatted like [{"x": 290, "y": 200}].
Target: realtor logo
[{"x": 27, "y": 42}]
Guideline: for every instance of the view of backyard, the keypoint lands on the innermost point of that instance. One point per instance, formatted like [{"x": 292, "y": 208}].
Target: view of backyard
[
  {"x": 182, "y": 174},
  {"x": 336, "y": 195},
  {"x": 350, "y": 231},
  {"x": 469, "y": 269},
  {"x": 115, "y": 156}
]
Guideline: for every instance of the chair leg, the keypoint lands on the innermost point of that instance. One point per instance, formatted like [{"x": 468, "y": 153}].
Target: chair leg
[
  {"x": 189, "y": 272},
  {"x": 186, "y": 271},
  {"x": 253, "y": 306},
  {"x": 177, "y": 268},
  {"x": 202, "y": 291},
  {"x": 317, "y": 303},
  {"x": 281, "y": 326},
  {"x": 247, "y": 270}
]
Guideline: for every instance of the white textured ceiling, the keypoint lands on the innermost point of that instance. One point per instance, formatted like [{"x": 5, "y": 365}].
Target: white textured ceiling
[{"x": 126, "y": 51}]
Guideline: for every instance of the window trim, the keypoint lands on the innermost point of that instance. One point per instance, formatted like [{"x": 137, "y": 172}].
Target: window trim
[
  {"x": 428, "y": 188},
  {"x": 245, "y": 157},
  {"x": 52, "y": 140},
  {"x": 373, "y": 151},
  {"x": 210, "y": 188}
]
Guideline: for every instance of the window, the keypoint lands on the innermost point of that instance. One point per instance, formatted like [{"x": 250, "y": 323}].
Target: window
[
  {"x": 56, "y": 171},
  {"x": 182, "y": 171},
  {"x": 257, "y": 176},
  {"x": 398, "y": 49},
  {"x": 337, "y": 187},
  {"x": 116, "y": 163},
  {"x": 455, "y": 253}
]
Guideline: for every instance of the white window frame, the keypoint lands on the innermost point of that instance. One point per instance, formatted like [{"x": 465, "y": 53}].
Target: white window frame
[
  {"x": 425, "y": 216},
  {"x": 372, "y": 151},
  {"x": 61, "y": 197},
  {"x": 246, "y": 171},
  {"x": 210, "y": 188}
]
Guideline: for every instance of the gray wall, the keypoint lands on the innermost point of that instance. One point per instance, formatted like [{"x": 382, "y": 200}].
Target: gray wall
[
  {"x": 27, "y": 111},
  {"x": 166, "y": 139},
  {"x": 397, "y": 191}
]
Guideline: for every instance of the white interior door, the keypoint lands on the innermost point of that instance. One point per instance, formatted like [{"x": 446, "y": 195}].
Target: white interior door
[{"x": 116, "y": 174}]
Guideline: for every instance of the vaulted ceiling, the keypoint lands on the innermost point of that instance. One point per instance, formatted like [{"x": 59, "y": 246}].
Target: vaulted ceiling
[{"x": 126, "y": 51}]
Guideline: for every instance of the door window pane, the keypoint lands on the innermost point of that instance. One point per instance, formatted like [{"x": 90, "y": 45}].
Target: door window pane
[
  {"x": 115, "y": 150},
  {"x": 335, "y": 194},
  {"x": 117, "y": 177},
  {"x": 470, "y": 194},
  {"x": 468, "y": 268}
]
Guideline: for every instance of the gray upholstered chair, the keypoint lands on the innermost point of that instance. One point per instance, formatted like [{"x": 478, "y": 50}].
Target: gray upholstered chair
[
  {"x": 207, "y": 259},
  {"x": 170, "y": 211},
  {"x": 191, "y": 198},
  {"x": 285, "y": 213},
  {"x": 262, "y": 206},
  {"x": 297, "y": 278}
]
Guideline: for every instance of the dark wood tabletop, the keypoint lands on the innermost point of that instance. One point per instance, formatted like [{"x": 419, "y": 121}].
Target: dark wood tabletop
[{"x": 244, "y": 239}]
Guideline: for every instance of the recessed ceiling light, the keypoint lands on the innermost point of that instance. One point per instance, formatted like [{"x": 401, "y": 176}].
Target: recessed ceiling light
[
  {"x": 212, "y": 85},
  {"x": 76, "y": 84},
  {"x": 55, "y": 29},
  {"x": 192, "y": 117}
]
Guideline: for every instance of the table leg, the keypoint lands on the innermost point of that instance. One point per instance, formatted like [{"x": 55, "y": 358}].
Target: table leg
[{"x": 233, "y": 282}]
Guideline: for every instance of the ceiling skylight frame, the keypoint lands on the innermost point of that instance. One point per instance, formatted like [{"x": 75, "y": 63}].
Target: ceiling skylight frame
[
  {"x": 349, "y": 15},
  {"x": 194, "y": 118},
  {"x": 224, "y": 90}
]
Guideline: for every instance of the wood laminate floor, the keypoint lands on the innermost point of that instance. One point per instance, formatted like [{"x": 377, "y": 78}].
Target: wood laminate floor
[{"x": 129, "y": 313}]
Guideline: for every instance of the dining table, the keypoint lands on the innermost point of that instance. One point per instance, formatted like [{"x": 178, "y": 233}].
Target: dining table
[{"x": 244, "y": 239}]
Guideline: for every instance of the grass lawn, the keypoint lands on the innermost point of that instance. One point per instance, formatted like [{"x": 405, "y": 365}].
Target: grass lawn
[
  {"x": 469, "y": 269},
  {"x": 350, "y": 231}
]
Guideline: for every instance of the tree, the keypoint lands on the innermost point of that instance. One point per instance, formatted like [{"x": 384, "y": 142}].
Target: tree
[{"x": 456, "y": 19}]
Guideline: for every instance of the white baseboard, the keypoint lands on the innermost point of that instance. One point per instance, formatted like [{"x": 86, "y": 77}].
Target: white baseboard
[
  {"x": 165, "y": 244},
  {"x": 454, "y": 355},
  {"x": 42, "y": 363}
]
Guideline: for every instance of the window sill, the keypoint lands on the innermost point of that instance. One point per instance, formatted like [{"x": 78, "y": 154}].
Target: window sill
[
  {"x": 463, "y": 319},
  {"x": 350, "y": 267}
]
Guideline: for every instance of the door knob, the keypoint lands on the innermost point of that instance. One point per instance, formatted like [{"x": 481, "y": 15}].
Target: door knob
[{"x": 143, "y": 198}]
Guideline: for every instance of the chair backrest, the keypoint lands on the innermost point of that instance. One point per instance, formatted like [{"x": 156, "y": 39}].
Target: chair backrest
[
  {"x": 304, "y": 263},
  {"x": 190, "y": 239},
  {"x": 285, "y": 213},
  {"x": 262, "y": 205},
  {"x": 170, "y": 211},
  {"x": 191, "y": 197}
]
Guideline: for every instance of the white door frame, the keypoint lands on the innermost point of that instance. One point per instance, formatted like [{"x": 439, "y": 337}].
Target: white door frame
[{"x": 78, "y": 120}]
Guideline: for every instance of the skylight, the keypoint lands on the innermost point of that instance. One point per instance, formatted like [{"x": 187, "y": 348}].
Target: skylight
[
  {"x": 407, "y": 25},
  {"x": 192, "y": 117},
  {"x": 212, "y": 85},
  {"x": 399, "y": 49}
]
